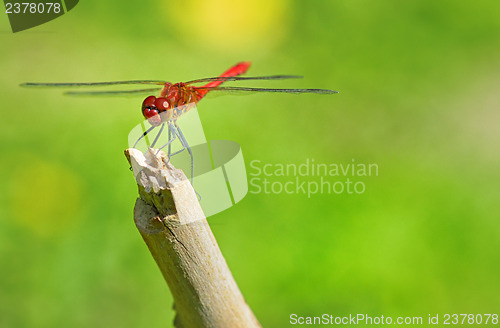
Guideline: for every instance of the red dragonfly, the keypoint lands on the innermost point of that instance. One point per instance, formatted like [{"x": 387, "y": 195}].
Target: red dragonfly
[
  {"x": 173, "y": 95},
  {"x": 174, "y": 98}
]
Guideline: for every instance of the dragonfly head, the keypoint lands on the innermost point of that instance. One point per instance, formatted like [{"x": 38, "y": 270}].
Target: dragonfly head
[{"x": 152, "y": 107}]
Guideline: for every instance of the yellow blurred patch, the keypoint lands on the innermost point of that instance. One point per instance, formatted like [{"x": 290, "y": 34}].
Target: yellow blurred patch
[
  {"x": 229, "y": 25},
  {"x": 44, "y": 196}
]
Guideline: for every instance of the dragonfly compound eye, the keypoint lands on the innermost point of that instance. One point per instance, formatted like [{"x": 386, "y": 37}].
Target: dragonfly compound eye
[
  {"x": 162, "y": 104},
  {"x": 148, "y": 102},
  {"x": 148, "y": 107},
  {"x": 150, "y": 111}
]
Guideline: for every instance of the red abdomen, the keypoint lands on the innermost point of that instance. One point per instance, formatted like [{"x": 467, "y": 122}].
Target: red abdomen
[
  {"x": 179, "y": 94},
  {"x": 236, "y": 70}
]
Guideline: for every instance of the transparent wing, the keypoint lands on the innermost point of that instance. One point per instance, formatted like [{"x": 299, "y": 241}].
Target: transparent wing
[
  {"x": 135, "y": 92},
  {"x": 90, "y": 84},
  {"x": 244, "y": 90},
  {"x": 242, "y": 78}
]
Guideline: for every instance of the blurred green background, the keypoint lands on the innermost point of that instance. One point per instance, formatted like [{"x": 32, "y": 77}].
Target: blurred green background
[{"x": 418, "y": 84}]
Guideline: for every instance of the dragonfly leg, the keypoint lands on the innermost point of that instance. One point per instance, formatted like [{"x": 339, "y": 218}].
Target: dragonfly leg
[
  {"x": 158, "y": 135},
  {"x": 177, "y": 152},
  {"x": 171, "y": 138},
  {"x": 186, "y": 145},
  {"x": 143, "y": 135},
  {"x": 175, "y": 133}
]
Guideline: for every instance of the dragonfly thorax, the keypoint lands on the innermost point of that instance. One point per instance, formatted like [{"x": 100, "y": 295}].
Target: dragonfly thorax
[
  {"x": 179, "y": 94},
  {"x": 171, "y": 96}
]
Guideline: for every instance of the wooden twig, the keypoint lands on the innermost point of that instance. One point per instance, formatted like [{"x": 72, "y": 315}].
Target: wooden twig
[{"x": 171, "y": 222}]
